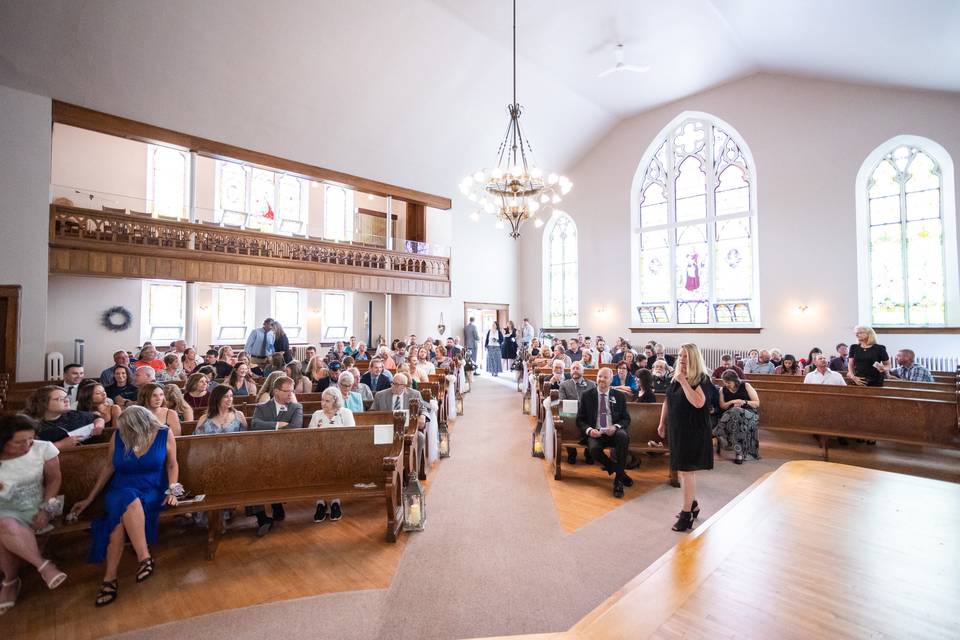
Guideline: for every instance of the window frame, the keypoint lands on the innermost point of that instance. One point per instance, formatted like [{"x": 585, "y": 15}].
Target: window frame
[
  {"x": 710, "y": 221},
  {"x": 547, "y": 278},
  {"x": 279, "y": 225},
  {"x": 346, "y": 321},
  {"x": 147, "y": 328},
  {"x": 151, "y": 186},
  {"x": 301, "y": 324},
  {"x": 948, "y": 214},
  {"x": 349, "y": 211},
  {"x": 216, "y": 327}
]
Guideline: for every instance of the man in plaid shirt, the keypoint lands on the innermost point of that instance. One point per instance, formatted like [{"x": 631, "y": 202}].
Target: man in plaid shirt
[{"x": 907, "y": 369}]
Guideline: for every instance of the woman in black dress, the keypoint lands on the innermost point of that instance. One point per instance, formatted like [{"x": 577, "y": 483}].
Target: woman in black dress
[
  {"x": 509, "y": 346},
  {"x": 281, "y": 343},
  {"x": 868, "y": 362},
  {"x": 685, "y": 422}
]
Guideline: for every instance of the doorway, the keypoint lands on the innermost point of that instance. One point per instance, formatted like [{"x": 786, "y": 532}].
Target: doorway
[
  {"x": 484, "y": 314},
  {"x": 9, "y": 325}
]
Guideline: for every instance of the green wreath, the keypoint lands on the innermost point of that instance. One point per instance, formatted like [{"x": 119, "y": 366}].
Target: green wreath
[{"x": 116, "y": 319}]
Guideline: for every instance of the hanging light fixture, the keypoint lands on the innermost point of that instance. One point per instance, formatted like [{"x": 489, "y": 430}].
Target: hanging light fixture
[{"x": 516, "y": 189}]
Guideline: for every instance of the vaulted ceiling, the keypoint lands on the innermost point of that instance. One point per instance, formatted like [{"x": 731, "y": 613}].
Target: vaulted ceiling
[{"x": 414, "y": 92}]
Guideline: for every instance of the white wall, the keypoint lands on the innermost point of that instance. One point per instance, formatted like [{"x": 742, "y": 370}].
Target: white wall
[
  {"x": 24, "y": 217},
  {"x": 808, "y": 139}
]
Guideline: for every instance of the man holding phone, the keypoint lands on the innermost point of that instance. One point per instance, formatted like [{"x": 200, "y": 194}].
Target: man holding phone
[{"x": 603, "y": 419}]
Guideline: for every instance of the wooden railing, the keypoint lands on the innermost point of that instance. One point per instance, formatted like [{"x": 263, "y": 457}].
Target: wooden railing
[{"x": 91, "y": 242}]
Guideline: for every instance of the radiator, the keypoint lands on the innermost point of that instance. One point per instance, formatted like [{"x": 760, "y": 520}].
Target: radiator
[
  {"x": 937, "y": 363},
  {"x": 299, "y": 352},
  {"x": 54, "y": 370}
]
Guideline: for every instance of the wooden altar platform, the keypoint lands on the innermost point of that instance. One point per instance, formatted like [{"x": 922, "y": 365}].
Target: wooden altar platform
[{"x": 814, "y": 550}]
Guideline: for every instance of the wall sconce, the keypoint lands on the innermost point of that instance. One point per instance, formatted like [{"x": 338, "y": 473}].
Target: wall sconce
[
  {"x": 315, "y": 311},
  {"x": 800, "y": 309},
  {"x": 204, "y": 308},
  {"x": 601, "y": 310}
]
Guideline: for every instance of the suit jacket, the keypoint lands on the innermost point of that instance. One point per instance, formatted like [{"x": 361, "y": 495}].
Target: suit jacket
[
  {"x": 588, "y": 410},
  {"x": 265, "y": 417},
  {"x": 383, "y": 382},
  {"x": 471, "y": 336},
  {"x": 383, "y": 400},
  {"x": 569, "y": 390}
]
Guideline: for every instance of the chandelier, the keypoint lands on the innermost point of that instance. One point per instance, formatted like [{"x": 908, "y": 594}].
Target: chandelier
[{"x": 515, "y": 189}]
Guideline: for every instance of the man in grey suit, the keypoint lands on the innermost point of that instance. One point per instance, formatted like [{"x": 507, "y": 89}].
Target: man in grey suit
[
  {"x": 397, "y": 398},
  {"x": 471, "y": 339},
  {"x": 279, "y": 413},
  {"x": 572, "y": 389}
]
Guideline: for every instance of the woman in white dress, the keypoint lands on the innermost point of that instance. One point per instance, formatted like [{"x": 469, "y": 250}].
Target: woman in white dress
[{"x": 332, "y": 413}]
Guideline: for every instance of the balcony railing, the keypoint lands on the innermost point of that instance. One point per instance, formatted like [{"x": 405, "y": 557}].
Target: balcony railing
[{"x": 145, "y": 236}]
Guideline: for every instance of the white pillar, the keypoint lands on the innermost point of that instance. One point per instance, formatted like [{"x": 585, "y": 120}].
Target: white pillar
[
  {"x": 191, "y": 318},
  {"x": 388, "y": 313},
  {"x": 390, "y": 230}
]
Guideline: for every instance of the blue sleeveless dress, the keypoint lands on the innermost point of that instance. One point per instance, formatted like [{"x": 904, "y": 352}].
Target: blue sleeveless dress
[{"x": 143, "y": 478}]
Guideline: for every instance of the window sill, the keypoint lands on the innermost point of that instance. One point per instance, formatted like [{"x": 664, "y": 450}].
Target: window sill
[
  {"x": 917, "y": 329},
  {"x": 560, "y": 329},
  {"x": 706, "y": 329}
]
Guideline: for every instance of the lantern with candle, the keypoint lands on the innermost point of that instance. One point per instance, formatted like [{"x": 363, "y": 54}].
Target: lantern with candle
[{"x": 414, "y": 506}]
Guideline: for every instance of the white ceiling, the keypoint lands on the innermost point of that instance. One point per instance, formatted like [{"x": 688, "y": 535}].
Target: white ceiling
[{"x": 413, "y": 92}]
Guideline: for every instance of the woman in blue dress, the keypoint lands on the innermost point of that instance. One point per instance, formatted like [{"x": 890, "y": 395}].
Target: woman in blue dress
[
  {"x": 221, "y": 416},
  {"x": 142, "y": 472}
]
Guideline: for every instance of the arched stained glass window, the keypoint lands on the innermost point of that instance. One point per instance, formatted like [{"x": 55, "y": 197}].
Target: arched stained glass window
[
  {"x": 260, "y": 198},
  {"x": 168, "y": 176},
  {"x": 694, "y": 227},
  {"x": 905, "y": 220},
  {"x": 561, "y": 280}
]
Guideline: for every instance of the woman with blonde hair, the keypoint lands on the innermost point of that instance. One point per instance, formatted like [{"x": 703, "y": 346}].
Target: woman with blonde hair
[
  {"x": 142, "y": 472},
  {"x": 685, "y": 422},
  {"x": 867, "y": 361},
  {"x": 266, "y": 391},
  {"x": 241, "y": 381},
  {"x": 175, "y": 401},
  {"x": 301, "y": 383}
]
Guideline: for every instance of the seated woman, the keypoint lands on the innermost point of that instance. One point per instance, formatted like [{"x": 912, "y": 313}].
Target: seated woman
[
  {"x": 276, "y": 364},
  {"x": 352, "y": 400},
  {"x": 811, "y": 360},
  {"x": 122, "y": 391},
  {"x": 266, "y": 390},
  {"x": 388, "y": 362},
  {"x": 210, "y": 373},
  {"x": 142, "y": 471},
  {"x": 788, "y": 367},
  {"x": 534, "y": 347},
  {"x": 221, "y": 417},
  {"x": 366, "y": 394},
  {"x": 631, "y": 361},
  {"x": 332, "y": 413},
  {"x": 241, "y": 380},
  {"x": 196, "y": 391},
  {"x": 624, "y": 381},
  {"x": 301, "y": 383},
  {"x": 30, "y": 481},
  {"x": 188, "y": 364},
  {"x": 740, "y": 420},
  {"x": 444, "y": 361},
  {"x": 151, "y": 396},
  {"x": 660, "y": 378},
  {"x": 175, "y": 401},
  {"x": 172, "y": 370},
  {"x": 93, "y": 398},
  {"x": 645, "y": 392},
  {"x": 361, "y": 353},
  {"x": 405, "y": 369},
  {"x": 424, "y": 368},
  {"x": 50, "y": 407},
  {"x": 319, "y": 374}
]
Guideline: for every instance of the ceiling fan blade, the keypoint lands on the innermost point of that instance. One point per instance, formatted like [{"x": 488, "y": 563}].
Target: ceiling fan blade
[
  {"x": 635, "y": 68},
  {"x": 604, "y": 74}
]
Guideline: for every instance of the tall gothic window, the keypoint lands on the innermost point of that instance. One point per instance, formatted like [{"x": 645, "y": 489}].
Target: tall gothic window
[
  {"x": 694, "y": 227},
  {"x": 904, "y": 218},
  {"x": 561, "y": 286}
]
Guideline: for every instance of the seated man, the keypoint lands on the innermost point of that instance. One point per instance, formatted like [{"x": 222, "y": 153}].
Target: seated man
[
  {"x": 906, "y": 368},
  {"x": 761, "y": 365},
  {"x": 310, "y": 352},
  {"x": 840, "y": 362},
  {"x": 397, "y": 398},
  {"x": 72, "y": 375},
  {"x": 119, "y": 358},
  {"x": 573, "y": 350},
  {"x": 558, "y": 375},
  {"x": 560, "y": 354},
  {"x": 822, "y": 373},
  {"x": 144, "y": 375},
  {"x": 148, "y": 358},
  {"x": 726, "y": 362},
  {"x": 573, "y": 389},
  {"x": 661, "y": 354},
  {"x": 281, "y": 412},
  {"x": 376, "y": 377},
  {"x": 604, "y": 422},
  {"x": 210, "y": 357},
  {"x": 661, "y": 377}
]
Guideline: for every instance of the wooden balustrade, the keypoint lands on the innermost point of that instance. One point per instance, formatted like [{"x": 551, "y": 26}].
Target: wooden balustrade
[{"x": 99, "y": 243}]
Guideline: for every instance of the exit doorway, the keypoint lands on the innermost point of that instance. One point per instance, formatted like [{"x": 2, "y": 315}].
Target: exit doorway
[{"x": 484, "y": 315}]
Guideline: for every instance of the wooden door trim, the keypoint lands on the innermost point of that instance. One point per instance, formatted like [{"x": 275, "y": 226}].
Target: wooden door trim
[{"x": 11, "y": 293}]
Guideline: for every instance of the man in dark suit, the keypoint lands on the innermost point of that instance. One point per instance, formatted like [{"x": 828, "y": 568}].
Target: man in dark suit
[
  {"x": 375, "y": 377},
  {"x": 397, "y": 398},
  {"x": 278, "y": 413},
  {"x": 605, "y": 422}
]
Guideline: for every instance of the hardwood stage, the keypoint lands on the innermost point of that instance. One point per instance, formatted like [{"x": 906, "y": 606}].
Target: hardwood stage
[{"x": 813, "y": 550}]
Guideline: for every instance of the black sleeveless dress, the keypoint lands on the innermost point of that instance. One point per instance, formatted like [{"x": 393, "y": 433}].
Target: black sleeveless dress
[{"x": 688, "y": 431}]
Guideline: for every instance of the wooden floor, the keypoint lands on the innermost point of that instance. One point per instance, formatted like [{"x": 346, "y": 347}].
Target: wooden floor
[
  {"x": 814, "y": 550},
  {"x": 298, "y": 558}
]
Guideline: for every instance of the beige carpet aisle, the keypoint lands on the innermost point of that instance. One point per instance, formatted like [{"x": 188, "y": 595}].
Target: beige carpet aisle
[{"x": 493, "y": 559}]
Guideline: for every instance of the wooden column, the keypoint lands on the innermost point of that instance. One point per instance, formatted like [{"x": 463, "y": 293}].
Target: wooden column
[{"x": 416, "y": 222}]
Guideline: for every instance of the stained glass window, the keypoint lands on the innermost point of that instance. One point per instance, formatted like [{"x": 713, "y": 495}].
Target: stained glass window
[
  {"x": 561, "y": 285},
  {"x": 906, "y": 239},
  {"x": 260, "y": 198},
  {"x": 694, "y": 222},
  {"x": 168, "y": 176}
]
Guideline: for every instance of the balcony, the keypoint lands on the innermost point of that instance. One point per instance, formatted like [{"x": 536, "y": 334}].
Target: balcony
[{"x": 125, "y": 244}]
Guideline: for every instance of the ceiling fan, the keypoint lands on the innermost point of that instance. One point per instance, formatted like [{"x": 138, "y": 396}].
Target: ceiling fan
[{"x": 620, "y": 65}]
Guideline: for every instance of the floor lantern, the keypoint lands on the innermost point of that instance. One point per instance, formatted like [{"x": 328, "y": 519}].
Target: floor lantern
[
  {"x": 444, "y": 448},
  {"x": 414, "y": 506}
]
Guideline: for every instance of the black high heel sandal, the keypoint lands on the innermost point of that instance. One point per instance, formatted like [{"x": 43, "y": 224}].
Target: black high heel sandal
[
  {"x": 694, "y": 510},
  {"x": 145, "y": 570},
  {"x": 684, "y": 522},
  {"x": 107, "y": 593}
]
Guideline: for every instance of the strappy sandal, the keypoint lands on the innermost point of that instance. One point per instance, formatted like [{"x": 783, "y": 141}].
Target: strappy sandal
[
  {"x": 56, "y": 580},
  {"x": 6, "y": 605},
  {"x": 107, "y": 593},
  {"x": 145, "y": 570}
]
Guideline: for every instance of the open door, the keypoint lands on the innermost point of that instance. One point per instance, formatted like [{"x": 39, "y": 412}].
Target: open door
[
  {"x": 9, "y": 327},
  {"x": 485, "y": 315}
]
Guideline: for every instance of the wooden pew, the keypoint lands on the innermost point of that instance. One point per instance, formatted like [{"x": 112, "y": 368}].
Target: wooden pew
[
  {"x": 888, "y": 383},
  {"x": 644, "y": 420},
  {"x": 305, "y": 464},
  {"x": 791, "y": 384}
]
